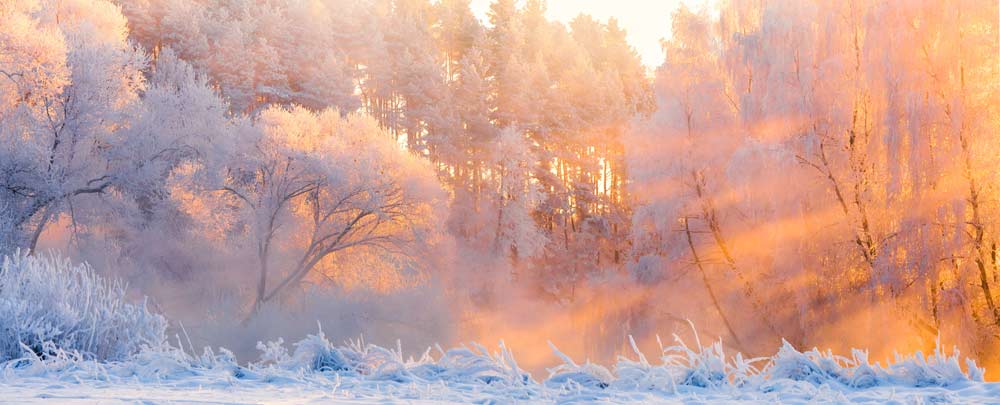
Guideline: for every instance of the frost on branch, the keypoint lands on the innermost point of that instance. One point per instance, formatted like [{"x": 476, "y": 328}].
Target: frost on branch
[{"x": 48, "y": 304}]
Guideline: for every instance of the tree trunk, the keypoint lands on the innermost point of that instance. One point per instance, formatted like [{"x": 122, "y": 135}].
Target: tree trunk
[{"x": 708, "y": 286}]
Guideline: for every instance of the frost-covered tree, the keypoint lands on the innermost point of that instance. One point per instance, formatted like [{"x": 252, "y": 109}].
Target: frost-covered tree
[
  {"x": 180, "y": 125},
  {"x": 810, "y": 154},
  {"x": 517, "y": 234},
  {"x": 69, "y": 95},
  {"x": 457, "y": 31},
  {"x": 311, "y": 186},
  {"x": 259, "y": 53}
]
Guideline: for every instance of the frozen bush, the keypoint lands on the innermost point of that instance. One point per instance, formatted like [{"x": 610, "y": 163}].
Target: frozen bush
[
  {"x": 812, "y": 366},
  {"x": 587, "y": 375},
  {"x": 315, "y": 353},
  {"x": 477, "y": 364},
  {"x": 48, "y": 304},
  {"x": 708, "y": 367},
  {"x": 357, "y": 358},
  {"x": 938, "y": 369}
]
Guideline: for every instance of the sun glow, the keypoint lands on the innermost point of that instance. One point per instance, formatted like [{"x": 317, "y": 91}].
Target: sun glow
[{"x": 580, "y": 172}]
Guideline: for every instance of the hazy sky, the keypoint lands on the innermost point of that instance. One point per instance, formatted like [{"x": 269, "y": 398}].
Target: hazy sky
[{"x": 647, "y": 21}]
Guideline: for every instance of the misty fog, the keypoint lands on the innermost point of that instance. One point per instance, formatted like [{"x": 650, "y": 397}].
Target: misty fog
[{"x": 823, "y": 172}]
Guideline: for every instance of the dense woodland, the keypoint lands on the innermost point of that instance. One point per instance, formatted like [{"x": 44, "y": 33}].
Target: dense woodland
[
  {"x": 831, "y": 158},
  {"x": 819, "y": 171}
]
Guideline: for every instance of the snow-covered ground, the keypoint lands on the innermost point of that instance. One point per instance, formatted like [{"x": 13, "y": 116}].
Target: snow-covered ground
[
  {"x": 318, "y": 372},
  {"x": 351, "y": 391}
]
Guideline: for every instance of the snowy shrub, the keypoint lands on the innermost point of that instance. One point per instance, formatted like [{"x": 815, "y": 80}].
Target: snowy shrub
[
  {"x": 708, "y": 367},
  {"x": 477, "y": 364},
  {"x": 863, "y": 375},
  {"x": 48, "y": 306},
  {"x": 588, "y": 375},
  {"x": 701, "y": 366},
  {"x": 918, "y": 370},
  {"x": 938, "y": 369},
  {"x": 812, "y": 366},
  {"x": 356, "y": 358},
  {"x": 314, "y": 353},
  {"x": 317, "y": 353}
]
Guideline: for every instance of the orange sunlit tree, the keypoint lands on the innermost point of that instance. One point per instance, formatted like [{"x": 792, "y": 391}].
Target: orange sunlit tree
[{"x": 834, "y": 162}]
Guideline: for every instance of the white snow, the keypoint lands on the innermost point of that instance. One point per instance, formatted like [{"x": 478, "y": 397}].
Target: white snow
[{"x": 317, "y": 371}]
